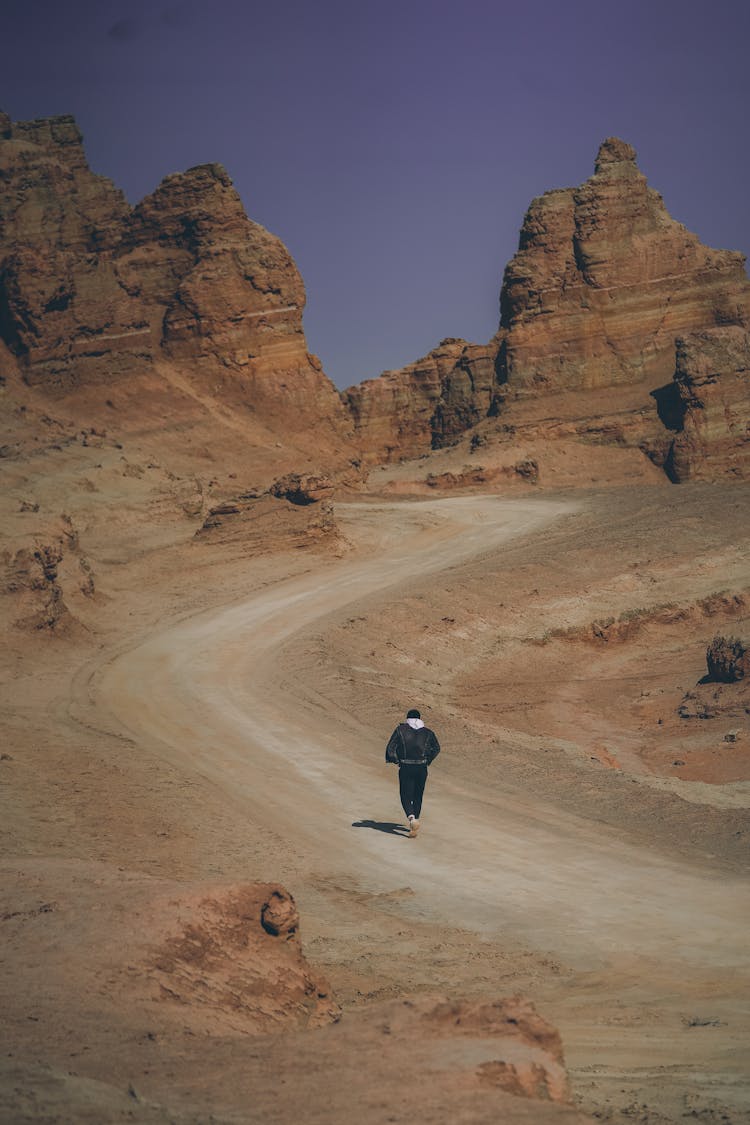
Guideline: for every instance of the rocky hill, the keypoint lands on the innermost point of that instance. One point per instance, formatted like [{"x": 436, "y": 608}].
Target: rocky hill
[
  {"x": 182, "y": 318},
  {"x": 96, "y": 297},
  {"x": 606, "y": 290}
]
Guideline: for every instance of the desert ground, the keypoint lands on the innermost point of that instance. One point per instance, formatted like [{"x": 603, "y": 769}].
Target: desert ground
[{"x": 213, "y": 715}]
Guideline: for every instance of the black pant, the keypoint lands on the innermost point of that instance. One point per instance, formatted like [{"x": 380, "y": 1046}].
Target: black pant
[{"x": 411, "y": 783}]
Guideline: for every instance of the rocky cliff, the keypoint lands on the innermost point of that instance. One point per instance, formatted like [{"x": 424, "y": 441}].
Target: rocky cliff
[
  {"x": 605, "y": 280},
  {"x": 602, "y": 287},
  {"x": 711, "y": 406},
  {"x": 426, "y": 404},
  {"x": 94, "y": 292},
  {"x": 181, "y": 312}
]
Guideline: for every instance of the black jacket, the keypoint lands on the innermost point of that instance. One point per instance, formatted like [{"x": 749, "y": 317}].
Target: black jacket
[{"x": 407, "y": 746}]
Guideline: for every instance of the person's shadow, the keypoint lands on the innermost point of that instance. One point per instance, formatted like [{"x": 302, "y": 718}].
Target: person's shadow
[{"x": 382, "y": 826}]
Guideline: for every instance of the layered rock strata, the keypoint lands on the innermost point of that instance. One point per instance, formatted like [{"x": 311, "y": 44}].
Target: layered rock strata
[
  {"x": 603, "y": 286},
  {"x": 426, "y": 404},
  {"x": 186, "y": 294},
  {"x": 710, "y": 406},
  {"x": 93, "y": 291},
  {"x": 605, "y": 280},
  {"x": 296, "y": 512}
]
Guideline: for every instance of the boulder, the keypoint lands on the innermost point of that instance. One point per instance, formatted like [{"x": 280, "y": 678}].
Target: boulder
[{"x": 728, "y": 660}]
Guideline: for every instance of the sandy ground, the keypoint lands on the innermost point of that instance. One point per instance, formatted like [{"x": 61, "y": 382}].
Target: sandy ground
[{"x": 228, "y": 721}]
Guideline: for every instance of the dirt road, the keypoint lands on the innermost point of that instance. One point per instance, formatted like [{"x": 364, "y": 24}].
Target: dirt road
[
  {"x": 213, "y": 691},
  {"x": 629, "y": 925}
]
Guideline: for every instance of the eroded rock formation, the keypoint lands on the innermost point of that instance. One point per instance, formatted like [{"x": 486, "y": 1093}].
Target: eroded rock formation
[
  {"x": 260, "y": 522},
  {"x": 605, "y": 280},
  {"x": 728, "y": 660},
  {"x": 186, "y": 293},
  {"x": 426, "y": 404},
  {"x": 44, "y": 577},
  {"x": 200, "y": 958},
  {"x": 603, "y": 286},
  {"x": 526, "y": 1057},
  {"x": 93, "y": 291},
  {"x": 711, "y": 406}
]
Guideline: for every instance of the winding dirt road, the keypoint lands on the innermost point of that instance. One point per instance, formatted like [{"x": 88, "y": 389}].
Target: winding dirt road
[{"x": 210, "y": 692}]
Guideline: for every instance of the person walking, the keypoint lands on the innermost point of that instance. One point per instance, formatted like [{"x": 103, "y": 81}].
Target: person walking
[{"x": 412, "y": 747}]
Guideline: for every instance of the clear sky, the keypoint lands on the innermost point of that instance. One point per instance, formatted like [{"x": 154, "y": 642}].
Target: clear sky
[{"x": 394, "y": 145}]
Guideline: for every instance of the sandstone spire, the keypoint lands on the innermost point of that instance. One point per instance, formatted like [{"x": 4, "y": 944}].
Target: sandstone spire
[
  {"x": 603, "y": 286},
  {"x": 604, "y": 281}
]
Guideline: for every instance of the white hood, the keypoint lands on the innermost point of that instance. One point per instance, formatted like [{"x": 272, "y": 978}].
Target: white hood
[{"x": 415, "y": 724}]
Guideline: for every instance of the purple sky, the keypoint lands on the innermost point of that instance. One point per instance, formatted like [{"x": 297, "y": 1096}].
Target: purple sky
[{"x": 394, "y": 145}]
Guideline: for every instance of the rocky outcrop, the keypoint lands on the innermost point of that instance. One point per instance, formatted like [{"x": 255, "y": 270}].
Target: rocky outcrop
[
  {"x": 709, "y": 406},
  {"x": 175, "y": 957},
  {"x": 722, "y": 697},
  {"x": 296, "y": 512},
  {"x": 605, "y": 280},
  {"x": 303, "y": 488},
  {"x": 186, "y": 293},
  {"x": 93, "y": 291},
  {"x": 630, "y": 624},
  {"x": 728, "y": 660},
  {"x": 42, "y": 576},
  {"x": 31, "y": 578},
  {"x": 525, "y": 471},
  {"x": 602, "y": 287},
  {"x": 425, "y": 405}
]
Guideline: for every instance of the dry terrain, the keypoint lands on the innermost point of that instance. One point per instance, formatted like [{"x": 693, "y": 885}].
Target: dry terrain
[
  {"x": 222, "y": 583},
  {"x": 211, "y": 716}
]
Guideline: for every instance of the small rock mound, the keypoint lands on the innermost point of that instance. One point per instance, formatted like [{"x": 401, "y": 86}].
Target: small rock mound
[
  {"x": 525, "y": 1051},
  {"x": 233, "y": 957}
]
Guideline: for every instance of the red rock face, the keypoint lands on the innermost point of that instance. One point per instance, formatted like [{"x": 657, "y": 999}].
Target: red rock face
[
  {"x": 602, "y": 286},
  {"x": 60, "y": 303},
  {"x": 712, "y": 406},
  {"x": 605, "y": 280},
  {"x": 425, "y": 405},
  {"x": 94, "y": 291}
]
